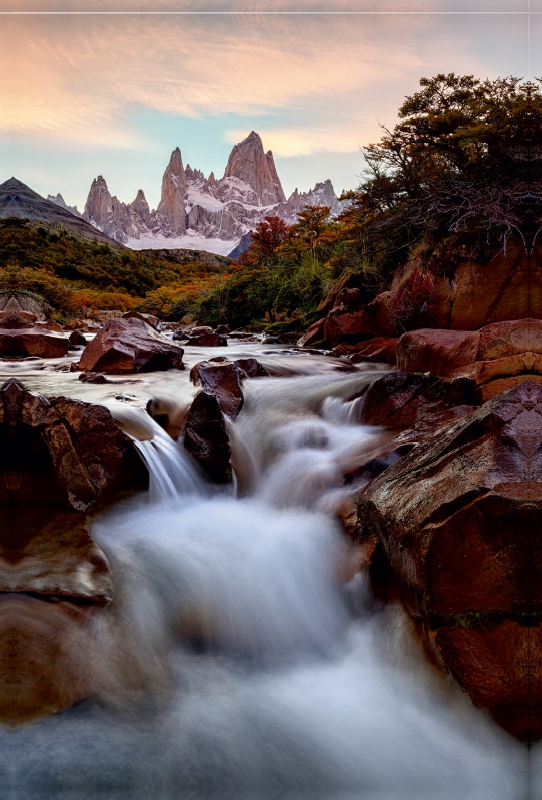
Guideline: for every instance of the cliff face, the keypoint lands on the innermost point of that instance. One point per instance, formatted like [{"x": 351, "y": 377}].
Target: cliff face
[
  {"x": 249, "y": 164},
  {"x": 195, "y": 211}
]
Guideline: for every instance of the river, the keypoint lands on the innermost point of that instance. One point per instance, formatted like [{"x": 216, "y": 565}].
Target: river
[{"x": 263, "y": 665}]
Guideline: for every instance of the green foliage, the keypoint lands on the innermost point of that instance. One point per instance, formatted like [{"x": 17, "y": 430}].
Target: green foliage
[
  {"x": 285, "y": 269},
  {"x": 461, "y": 168},
  {"x": 79, "y": 276}
]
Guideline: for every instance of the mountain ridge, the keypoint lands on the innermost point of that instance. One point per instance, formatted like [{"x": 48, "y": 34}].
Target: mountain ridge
[{"x": 202, "y": 213}]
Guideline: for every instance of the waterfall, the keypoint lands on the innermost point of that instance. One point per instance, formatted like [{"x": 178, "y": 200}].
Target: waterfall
[
  {"x": 173, "y": 475},
  {"x": 281, "y": 677}
]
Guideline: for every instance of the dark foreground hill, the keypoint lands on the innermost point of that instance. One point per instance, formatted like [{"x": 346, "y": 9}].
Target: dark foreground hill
[{"x": 19, "y": 200}]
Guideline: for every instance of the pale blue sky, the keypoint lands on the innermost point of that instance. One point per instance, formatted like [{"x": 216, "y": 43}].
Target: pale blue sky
[{"x": 88, "y": 95}]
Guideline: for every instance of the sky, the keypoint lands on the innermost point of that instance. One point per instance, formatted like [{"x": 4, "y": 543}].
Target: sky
[{"x": 101, "y": 93}]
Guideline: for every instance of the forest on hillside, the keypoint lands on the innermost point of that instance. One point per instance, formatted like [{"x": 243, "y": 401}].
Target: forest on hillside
[{"x": 459, "y": 177}]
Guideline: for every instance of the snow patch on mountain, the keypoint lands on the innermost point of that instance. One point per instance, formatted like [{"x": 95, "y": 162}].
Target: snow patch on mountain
[{"x": 214, "y": 213}]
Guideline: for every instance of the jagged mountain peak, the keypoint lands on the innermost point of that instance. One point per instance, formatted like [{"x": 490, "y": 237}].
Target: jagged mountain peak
[
  {"x": 249, "y": 163},
  {"x": 194, "y": 210}
]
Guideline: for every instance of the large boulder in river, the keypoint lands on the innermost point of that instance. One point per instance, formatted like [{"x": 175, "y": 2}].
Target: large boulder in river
[
  {"x": 59, "y": 452},
  {"x": 21, "y": 337},
  {"x": 222, "y": 379},
  {"x": 458, "y": 519},
  {"x": 58, "y": 459},
  {"x": 206, "y": 438},
  {"x": 130, "y": 345}
]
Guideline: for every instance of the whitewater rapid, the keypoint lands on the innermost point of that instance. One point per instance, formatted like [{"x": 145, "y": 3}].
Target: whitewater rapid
[{"x": 264, "y": 673}]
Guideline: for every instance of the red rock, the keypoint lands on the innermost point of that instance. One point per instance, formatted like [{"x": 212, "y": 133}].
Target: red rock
[
  {"x": 378, "y": 315},
  {"x": 400, "y": 399},
  {"x": 438, "y": 351},
  {"x": 251, "y": 368},
  {"x": 206, "y": 438},
  {"x": 380, "y": 349},
  {"x": 508, "y": 338},
  {"x": 19, "y": 337},
  {"x": 130, "y": 345},
  {"x": 77, "y": 339},
  {"x": 150, "y": 319},
  {"x": 313, "y": 335},
  {"x": 59, "y": 452},
  {"x": 458, "y": 519},
  {"x": 220, "y": 378},
  {"x": 345, "y": 324}
]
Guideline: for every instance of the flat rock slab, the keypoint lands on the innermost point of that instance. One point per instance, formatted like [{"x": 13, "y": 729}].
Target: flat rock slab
[{"x": 21, "y": 337}]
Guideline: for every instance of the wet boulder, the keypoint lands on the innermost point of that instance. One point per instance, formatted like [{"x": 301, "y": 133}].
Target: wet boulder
[
  {"x": 458, "y": 519},
  {"x": 204, "y": 336},
  {"x": 346, "y": 324},
  {"x": 21, "y": 337},
  {"x": 150, "y": 319},
  {"x": 206, "y": 438},
  {"x": 251, "y": 368},
  {"x": 130, "y": 345},
  {"x": 221, "y": 379},
  {"x": 314, "y": 335},
  {"x": 400, "y": 399}
]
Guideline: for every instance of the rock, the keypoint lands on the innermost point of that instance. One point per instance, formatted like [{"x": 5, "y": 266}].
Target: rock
[
  {"x": 223, "y": 330},
  {"x": 172, "y": 206},
  {"x": 251, "y": 368},
  {"x": 346, "y": 324},
  {"x": 130, "y": 345},
  {"x": 54, "y": 584},
  {"x": 206, "y": 438},
  {"x": 77, "y": 339},
  {"x": 58, "y": 452},
  {"x": 220, "y": 378},
  {"x": 22, "y": 304},
  {"x": 207, "y": 340},
  {"x": 93, "y": 377},
  {"x": 150, "y": 319},
  {"x": 19, "y": 337},
  {"x": 378, "y": 315},
  {"x": 438, "y": 351},
  {"x": 313, "y": 335},
  {"x": 379, "y": 350},
  {"x": 509, "y": 338},
  {"x": 455, "y": 518},
  {"x": 400, "y": 399},
  {"x": 249, "y": 164}
]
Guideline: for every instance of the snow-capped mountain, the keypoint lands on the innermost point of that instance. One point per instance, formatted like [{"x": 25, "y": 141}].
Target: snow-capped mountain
[{"x": 199, "y": 212}]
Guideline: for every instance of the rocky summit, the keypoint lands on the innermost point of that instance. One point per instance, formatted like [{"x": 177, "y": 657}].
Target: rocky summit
[
  {"x": 18, "y": 200},
  {"x": 195, "y": 211}
]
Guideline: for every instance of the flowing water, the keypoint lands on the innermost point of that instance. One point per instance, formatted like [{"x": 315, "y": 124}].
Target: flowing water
[{"x": 264, "y": 666}]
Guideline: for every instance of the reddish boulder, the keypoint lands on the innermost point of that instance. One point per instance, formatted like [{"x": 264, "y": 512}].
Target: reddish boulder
[
  {"x": 378, "y": 315},
  {"x": 251, "y": 368},
  {"x": 150, "y": 319},
  {"x": 379, "y": 350},
  {"x": 220, "y": 378},
  {"x": 59, "y": 452},
  {"x": 458, "y": 519},
  {"x": 204, "y": 336},
  {"x": 346, "y": 324},
  {"x": 401, "y": 399},
  {"x": 206, "y": 438},
  {"x": 20, "y": 337},
  {"x": 130, "y": 345},
  {"x": 436, "y": 350},
  {"x": 314, "y": 334}
]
